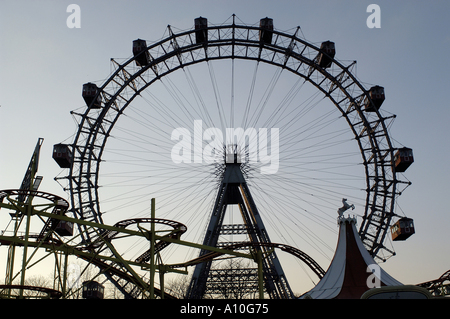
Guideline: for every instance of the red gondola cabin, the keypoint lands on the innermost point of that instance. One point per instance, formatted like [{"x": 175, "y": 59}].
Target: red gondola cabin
[
  {"x": 91, "y": 95},
  {"x": 63, "y": 228},
  {"x": 376, "y": 94},
  {"x": 266, "y": 32},
  {"x": 93, "y": 290},
  {"x": 142, "y": 57},
  {"x": 403, "y": 159},
  {"x": 201, "y": 32},
  {"x": 402, "y": 229},
  {"x": 62, "y": 155},
  {"x": 326, "y": 55}
]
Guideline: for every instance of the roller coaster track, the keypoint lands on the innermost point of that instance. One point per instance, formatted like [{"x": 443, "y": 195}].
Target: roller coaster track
[
  {"x": 51, "y": 293},
  {"x": 312, "y": 264},
  {"x": 108, "y": 235},
  {"x": 109, "y": 263},
  {"x": 92, "y": 258},
  {"x": 436, "y": 287}
]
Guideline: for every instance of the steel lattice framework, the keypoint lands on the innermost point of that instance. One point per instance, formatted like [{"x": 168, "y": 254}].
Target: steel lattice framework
[
  {"x": 234, "y": 41},
  {"x": 440, "y": 286},
  {"x": 233, "y": 283}
]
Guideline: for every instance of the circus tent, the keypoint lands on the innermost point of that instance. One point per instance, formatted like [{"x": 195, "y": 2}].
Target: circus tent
[{"x": 352, "y": 271}]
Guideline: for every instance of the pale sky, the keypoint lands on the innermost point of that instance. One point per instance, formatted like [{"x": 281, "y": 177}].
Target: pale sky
[{"x": 43, "y": 65}]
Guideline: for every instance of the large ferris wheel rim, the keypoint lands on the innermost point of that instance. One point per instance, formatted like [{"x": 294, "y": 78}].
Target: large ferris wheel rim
[{"x": 283, "y": 45}]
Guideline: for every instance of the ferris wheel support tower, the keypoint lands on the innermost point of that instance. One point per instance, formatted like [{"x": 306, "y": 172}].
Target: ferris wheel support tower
[{"x": 233, "y": 190}]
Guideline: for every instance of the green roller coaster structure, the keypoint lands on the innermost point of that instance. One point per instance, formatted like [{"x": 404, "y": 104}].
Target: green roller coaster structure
[{"x": 31, "y": 210}]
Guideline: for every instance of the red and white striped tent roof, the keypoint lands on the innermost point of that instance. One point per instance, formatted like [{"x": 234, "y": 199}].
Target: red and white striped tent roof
[{"x": 349, "y": 274}]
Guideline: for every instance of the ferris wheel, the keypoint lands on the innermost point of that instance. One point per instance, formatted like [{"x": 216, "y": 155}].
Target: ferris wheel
[{"x": 157, "y": 127}]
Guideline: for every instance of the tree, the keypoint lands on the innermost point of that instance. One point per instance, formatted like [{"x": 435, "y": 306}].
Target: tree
[
  {"x": 231, "y": 278},
  {"x": 235, "y": 278},
  {"x": 177, "y": 286}
]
